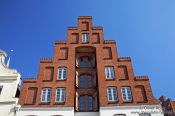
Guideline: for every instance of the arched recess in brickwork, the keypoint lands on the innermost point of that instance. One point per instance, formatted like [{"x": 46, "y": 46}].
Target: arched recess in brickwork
[
  {"x": 86, "y": 79},
  {"x": 141, "y": 93},
  {"x": 85, "y": 57}
]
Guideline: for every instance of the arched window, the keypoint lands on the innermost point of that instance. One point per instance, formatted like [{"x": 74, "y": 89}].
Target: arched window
[
  {"x": 145, "y": 114},
  {"x": 85, "y": 103},
  {"x": 85, "y": 61},
  {"x": 85, "y": 81}
]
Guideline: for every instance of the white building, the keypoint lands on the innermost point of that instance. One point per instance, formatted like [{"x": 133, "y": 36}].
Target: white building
[{"x": 9, "y": 79}]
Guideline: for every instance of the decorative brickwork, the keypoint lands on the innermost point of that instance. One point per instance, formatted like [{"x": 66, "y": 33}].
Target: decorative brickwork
[{"x": 86, "y": 58}]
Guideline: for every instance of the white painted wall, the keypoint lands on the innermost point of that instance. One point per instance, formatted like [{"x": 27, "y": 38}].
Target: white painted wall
[
  {"x": 155, "y": 110},
  {"x": 40, "y": 111},
  {"x": 9, "y": 79}
]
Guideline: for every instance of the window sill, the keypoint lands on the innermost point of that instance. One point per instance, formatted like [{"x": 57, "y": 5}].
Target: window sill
[
  {"x": 130, "y": 101},
  {"x": 44, "y": 103},
  {"x": 110, "y": 79},
  {"x": 84, "y": 42},
  {"x": 112, "y": 102},
  {"x": 59, "y": 103},
  {"x": 61, "y": 79}
]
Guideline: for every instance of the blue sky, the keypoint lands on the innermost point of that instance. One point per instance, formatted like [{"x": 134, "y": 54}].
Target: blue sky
[{"x": 143, "y": 29}]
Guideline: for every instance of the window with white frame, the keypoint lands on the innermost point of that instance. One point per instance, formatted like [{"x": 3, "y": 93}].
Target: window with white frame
[
  {"x": 112, "y": 94},
  {"x": 62, "y": 73},
  {"x": 109, "y": 72},
  {"x": 85, "y": 38},
  {"x": 60, "y": 95},
  {"x": 1, "y": 89},
  {"x": 126, "y": 94},
  {"x": 145, "y": 114},
  {"x": 46, "y": 94}
]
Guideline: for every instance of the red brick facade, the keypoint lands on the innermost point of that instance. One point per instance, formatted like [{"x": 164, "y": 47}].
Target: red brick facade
[{"x": 100, "y": 53}]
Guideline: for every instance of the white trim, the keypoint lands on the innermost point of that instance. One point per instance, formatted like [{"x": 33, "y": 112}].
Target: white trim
[
  {"x": 46, "y": 108},
  {"x": 133, "y": 110}
]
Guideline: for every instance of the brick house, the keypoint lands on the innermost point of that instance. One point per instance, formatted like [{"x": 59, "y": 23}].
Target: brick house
[
  {"x": 168, "y": 106},
  {"x": 87, "y": 77}
]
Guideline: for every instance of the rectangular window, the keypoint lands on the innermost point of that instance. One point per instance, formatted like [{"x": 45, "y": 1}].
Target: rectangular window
[
  {"x": 109, "y": 72},
  {"x": 62, "y": 73},
  {"x": 46, "y": 94},
  {"x": 60, "y": 95},
  {"x": 112, "y": 94},
  {"x": 1, "y": 89},
  {"x": 85, "y": 38},
  {"x": 126, "y": 94},
  {"x": 81, "y": 103},
  {"x": 90, "y": 103}
]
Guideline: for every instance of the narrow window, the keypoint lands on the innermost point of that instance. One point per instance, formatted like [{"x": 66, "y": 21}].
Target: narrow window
[
  {"x": 126, "y": 94},
  {"x": 1, "y": 89},
  {"x": 46, "y": 95},
  {"x": 90, "y": 81},
  {"x": 60, "y": 95},
  {"x": 109, "y": 72},
  {"x": 90, "y": 103},
  {"x": 81, "y": 103},
  {"x": 85, "y": 38},
  {"x": 112, "y": 94},
  {"x": 81, "y": 81},
  {"x": 62, "y": 73}
]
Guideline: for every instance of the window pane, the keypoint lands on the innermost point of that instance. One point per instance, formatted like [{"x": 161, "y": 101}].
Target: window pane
[
  {"x": 62, "y": 73},
  {"x": 112, "y": 93},
  {"x": 60, "y": 95},
  {"x": 85, "y": 38},
  {"x": 46, "y": 94},
  {"x": 109, "y": 72},
  {"x": 126, "y": 94},
  {"x": 90, "y": 103}
]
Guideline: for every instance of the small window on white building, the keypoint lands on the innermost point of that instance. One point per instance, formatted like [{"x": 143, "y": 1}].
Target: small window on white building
[
  {"x": 46, "y": 94},
  {"x": 85, "y": 38},
  {"x": 119, "y": 114},
  {"x": 112, "y": 94},
  {"x": 62, "y": 73},
  {"x": 60, "y": 95},
  {"x": 126, "y": 94},
  {"x": 145, "y": 114},
  {"x": 109, "y": 72},
  {"x": 1, "y": 89}
]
